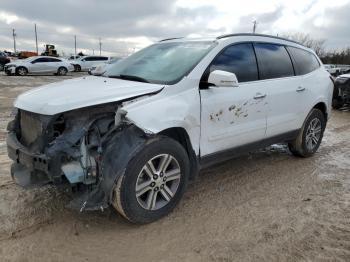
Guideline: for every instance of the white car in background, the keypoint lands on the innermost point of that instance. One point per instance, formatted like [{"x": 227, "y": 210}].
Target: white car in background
[
  {"x": 39, "y": 65},
  {"x": 102, "y": 68},
  {"x": 86, "y": 62},
  {"x": 332, "y": 69}
]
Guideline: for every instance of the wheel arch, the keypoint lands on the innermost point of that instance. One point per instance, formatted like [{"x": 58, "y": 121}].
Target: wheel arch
[
  {"x": 180, "y": 135},
  {"x": 323, "y": 108}
]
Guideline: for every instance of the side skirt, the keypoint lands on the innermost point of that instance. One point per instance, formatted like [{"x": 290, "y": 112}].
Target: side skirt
[{"x": 224, "y": 155}]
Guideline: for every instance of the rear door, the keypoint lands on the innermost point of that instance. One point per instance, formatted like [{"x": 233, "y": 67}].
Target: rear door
[
  {"x": 53, "y": 64},
  {"x": 278, "y": 77},
  {"x": 311, "y": 80},
  {"x": 233, "y": 116}
]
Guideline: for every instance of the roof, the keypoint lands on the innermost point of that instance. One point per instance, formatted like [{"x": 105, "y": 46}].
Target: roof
[{"x": 230, "y": 35}]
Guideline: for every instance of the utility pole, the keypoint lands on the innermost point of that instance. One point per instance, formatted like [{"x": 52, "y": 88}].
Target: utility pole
[
  {"x": 14, "y": 40},
  {"x": 36, "y": 40},
  {"x": 75, "y": 46},
  {"x": 255, "y": 23},
  {"x": 100, "y": 44}
]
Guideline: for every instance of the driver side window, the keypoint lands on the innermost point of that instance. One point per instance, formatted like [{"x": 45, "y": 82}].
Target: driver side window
[{"x": 239, "y": 59}]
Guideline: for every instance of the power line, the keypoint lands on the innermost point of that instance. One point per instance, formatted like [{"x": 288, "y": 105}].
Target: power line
[
  {"x": 255, "y": 23},
  {"x": 75, "y": 45},
  {"x": 14, "y": 40},
  {"x": 36, "y": 39},
  {"x": 100, "y": 44}
]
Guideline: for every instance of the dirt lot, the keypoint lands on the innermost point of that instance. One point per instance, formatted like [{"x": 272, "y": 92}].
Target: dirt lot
[{"x": 266, "y": 206}]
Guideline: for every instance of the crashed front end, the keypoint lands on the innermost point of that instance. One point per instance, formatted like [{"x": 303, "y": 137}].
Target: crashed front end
[{"x": 86, "y": 148}]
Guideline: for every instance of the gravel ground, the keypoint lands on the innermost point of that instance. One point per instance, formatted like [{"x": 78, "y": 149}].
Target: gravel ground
[{"x": 265, "y": 206}]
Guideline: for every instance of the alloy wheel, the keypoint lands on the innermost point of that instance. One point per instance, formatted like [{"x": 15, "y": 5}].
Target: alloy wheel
[
  {"x": 158, "y": 182},
  {"x": 313, "y": 133},
  {"x": 22, "y": 71}
]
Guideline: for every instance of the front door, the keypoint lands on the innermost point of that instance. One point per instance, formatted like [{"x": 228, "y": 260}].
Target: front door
[{"x": 233, "y": 116}]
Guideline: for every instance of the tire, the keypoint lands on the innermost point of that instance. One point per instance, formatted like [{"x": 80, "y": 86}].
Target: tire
[
  {"x": 312, "y": 131},
  {"x": 2, "y": 67},
  {"x": 62, "y": 71},
  {"x": 138, "y": 209},
  {"x": 21, "y": 71},
  {"x": 77, "y": 68}
]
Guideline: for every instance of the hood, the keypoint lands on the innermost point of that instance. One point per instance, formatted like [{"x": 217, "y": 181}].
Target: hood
[
  {"x": 15, "y": 63},
  {"x": 82, "y": 92}
]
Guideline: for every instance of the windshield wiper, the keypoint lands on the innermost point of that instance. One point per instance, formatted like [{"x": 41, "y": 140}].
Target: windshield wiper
[{"x": 130, "y": 77}]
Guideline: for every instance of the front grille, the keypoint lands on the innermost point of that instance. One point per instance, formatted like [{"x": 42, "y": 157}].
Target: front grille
[{"x": 31, "y": 127}]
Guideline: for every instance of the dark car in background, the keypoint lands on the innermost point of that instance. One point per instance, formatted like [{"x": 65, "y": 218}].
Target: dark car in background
[
  {"x": 3, "y": 60},
  {"x": 341, "y": 94}
]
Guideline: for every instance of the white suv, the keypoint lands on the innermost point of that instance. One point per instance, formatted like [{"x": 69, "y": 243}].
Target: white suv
[
  {"x": 134, "y": 138},
  {"x": 85, "y": 63}
]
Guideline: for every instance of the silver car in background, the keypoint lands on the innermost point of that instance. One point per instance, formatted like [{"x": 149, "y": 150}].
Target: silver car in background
[{"x": 39, "y": 65}]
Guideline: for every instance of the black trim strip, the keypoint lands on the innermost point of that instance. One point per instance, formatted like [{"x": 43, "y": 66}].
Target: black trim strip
[{"x": 224, "y": 155}]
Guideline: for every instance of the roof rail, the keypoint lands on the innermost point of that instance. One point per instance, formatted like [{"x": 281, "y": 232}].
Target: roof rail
[
  {"x": 172, "y": 38},
  {"x": 262, "y": 35}
]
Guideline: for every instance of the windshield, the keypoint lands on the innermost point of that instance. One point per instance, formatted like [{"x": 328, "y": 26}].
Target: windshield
[{"x": 163, "y": 63}]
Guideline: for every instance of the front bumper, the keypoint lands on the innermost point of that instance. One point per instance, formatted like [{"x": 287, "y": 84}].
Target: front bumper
[
  {"x": 28, "y": 168},
  {"x": 10, "y": 70}
]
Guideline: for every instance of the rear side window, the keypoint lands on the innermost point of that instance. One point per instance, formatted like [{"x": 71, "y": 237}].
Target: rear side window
[
  {"x": 239, "y": 59},
  {"x": 91, "y": 58},
  {"x": 41, "y": 60},
  {"x": 304, "y": 61},
  {"x": 53, "y": 60},
  {"x": 273, "y": 61}
]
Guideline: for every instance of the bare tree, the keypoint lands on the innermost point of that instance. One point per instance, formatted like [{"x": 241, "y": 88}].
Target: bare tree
[{"x": 305, "y": 39}]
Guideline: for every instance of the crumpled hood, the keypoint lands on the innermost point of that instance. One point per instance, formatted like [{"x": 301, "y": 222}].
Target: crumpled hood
[{"x": 81, "y": 92}]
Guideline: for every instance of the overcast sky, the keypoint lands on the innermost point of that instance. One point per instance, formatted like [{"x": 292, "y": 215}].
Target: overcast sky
[{"x": 128, "y": 25}]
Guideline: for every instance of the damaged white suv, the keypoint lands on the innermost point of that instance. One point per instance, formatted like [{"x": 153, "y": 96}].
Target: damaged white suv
[{"x": 135, "y": 137}]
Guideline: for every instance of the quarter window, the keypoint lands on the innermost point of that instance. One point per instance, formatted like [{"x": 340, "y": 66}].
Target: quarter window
[
  {"x": 304, "y": 61},
  {"x": 273, "y": 61},
  {"x": 239, "y": 59}
]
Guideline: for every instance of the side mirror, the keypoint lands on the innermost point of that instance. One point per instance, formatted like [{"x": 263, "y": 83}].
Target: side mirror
[{"x": 221, "y": 78}]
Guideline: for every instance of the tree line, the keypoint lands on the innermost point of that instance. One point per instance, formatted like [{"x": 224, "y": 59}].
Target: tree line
[{"x": 318, "y": 45}]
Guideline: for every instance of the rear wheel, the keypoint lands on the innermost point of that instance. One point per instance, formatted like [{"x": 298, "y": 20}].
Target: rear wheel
[
  {"x": 310, "y": 135},
  {"x": 62, "y": 71},
  {"x": 21, "y": 71},
  {"x": 153, "y": 183},
  {"x": 2, "y": 66}
]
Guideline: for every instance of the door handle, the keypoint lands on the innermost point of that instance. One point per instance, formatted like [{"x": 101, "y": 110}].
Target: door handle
[
  {"x": 300, "y": 89},
  {"x": 259, "y": 96}
]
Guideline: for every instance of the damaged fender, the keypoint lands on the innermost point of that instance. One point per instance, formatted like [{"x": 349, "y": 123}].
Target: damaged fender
[{"x": 121, "y": 147}]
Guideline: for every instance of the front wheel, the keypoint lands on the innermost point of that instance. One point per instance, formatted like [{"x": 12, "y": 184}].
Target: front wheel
[
  {"x": 153, "y": 182},
  {"x": 310, "y": 135},
  {"x": 21, "y": 71}
]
